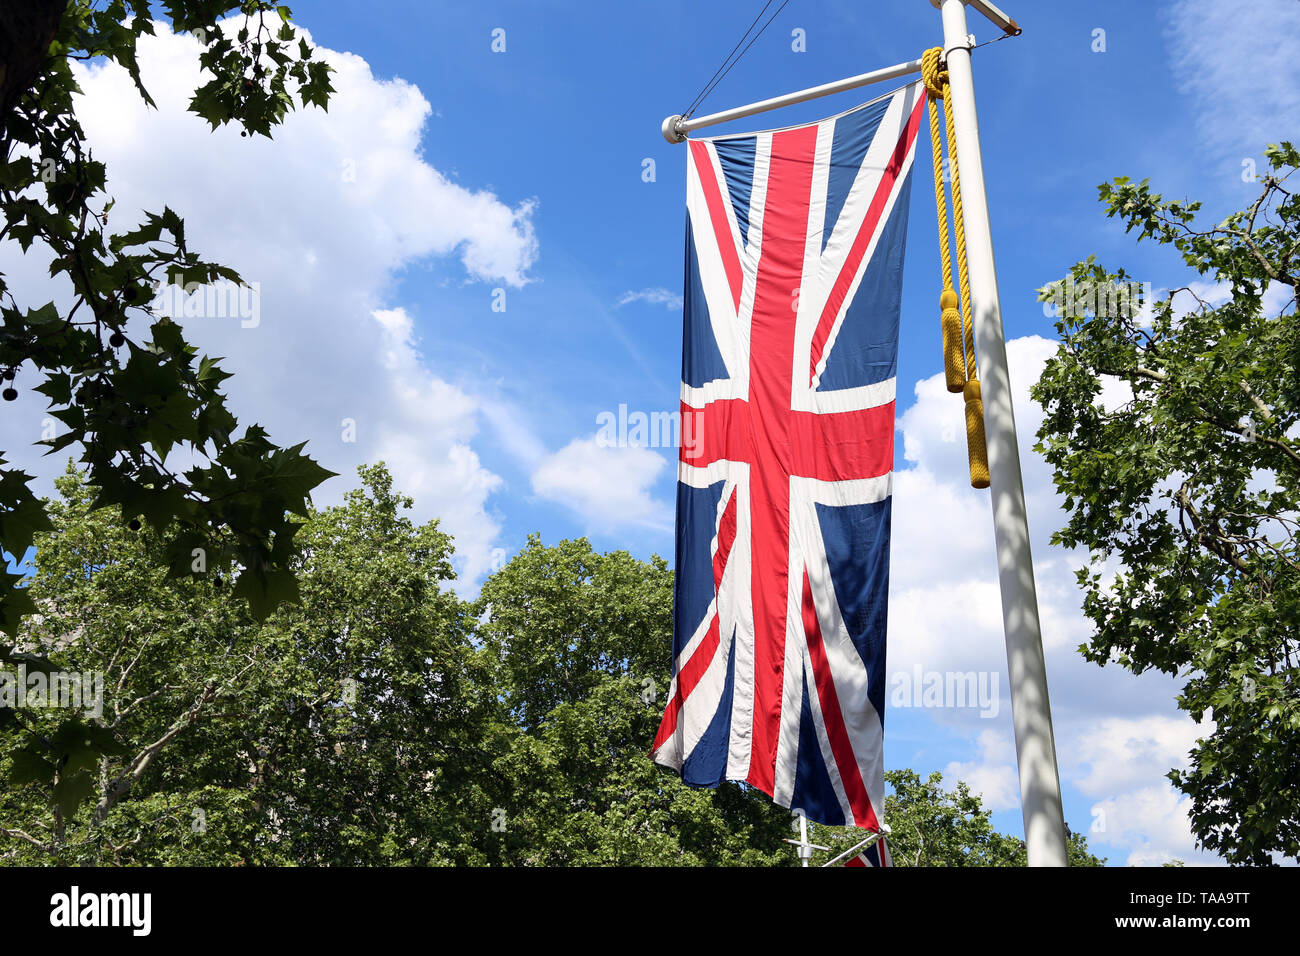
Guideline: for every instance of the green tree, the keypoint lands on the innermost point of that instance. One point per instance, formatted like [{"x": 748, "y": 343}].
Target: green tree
[
  {"x": 579, "y": 648},
  {"x": 1185, "y": 492},
  {"x": 128, "y": 399},
  {"x": 931, "y": 826},
  {"x": 346, "y": 729}
]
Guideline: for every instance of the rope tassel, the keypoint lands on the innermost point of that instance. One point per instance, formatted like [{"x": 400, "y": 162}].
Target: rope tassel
[
  {"x": 954, "y": 362},
  {"x": 976, "y": 448}
]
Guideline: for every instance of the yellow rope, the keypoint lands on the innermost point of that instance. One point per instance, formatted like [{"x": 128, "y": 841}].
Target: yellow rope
[
  {"x": 960, "y": 371},
  {"x": 949, "y": 322}
]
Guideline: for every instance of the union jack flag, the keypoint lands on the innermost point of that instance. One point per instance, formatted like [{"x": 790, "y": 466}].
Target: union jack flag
[{"x": 794, "y": 262}]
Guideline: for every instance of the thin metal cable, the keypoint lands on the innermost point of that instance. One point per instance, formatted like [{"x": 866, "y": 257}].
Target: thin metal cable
[
  {"x": 704, "y": 91},
  {"x": 718, "y": 79},
  {"x": 747, "y": 46},
  {"x": 994, "y": 40}
]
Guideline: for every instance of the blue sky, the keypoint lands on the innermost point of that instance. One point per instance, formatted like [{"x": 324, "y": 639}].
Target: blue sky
[
  {"x": 447, "y": 178},
  {"x": 569, "y": 112}
]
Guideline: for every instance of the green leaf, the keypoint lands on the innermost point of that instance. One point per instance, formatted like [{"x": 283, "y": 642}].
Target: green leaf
[
  {"x": 29, "y": 767},
  {"x": 71, "y": 790}
]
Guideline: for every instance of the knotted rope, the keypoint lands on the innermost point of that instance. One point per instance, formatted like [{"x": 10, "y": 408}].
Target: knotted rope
[{"x": 960, "y": 371}]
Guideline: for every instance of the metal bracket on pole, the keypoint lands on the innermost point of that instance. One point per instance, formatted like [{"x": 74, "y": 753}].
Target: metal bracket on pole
[
  {"x": 992, "y": 14},
  {"x": 870, "y": 841},
  {"x": 805, "y": 847},
  {"x": 1040, "y": 786}
]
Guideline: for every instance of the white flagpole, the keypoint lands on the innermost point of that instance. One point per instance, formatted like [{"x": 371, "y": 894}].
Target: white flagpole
[{"x": 1040, "y": 788}]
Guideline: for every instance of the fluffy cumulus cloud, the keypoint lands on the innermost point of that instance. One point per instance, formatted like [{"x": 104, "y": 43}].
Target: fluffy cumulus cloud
[
  {"x": 424, "y": 438},
  {"x": 945, "y": 607},
  {"x": 608, "y": 485},
  {"x": 1150, "y": 822},
  {"x": 993, "y": 776},
  {"x": 1134, "y": 811},
  {"x": 1117, "y": 735},
  {"x": 1153, "y": 741},
  {"x": 321, "y": 220}
]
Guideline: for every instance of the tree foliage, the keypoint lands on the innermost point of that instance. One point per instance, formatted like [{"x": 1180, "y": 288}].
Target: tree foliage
[
  {"x": 382, "y": 719},
  {"x": 321, "y": 735},
  {"x": 124, "y": 382},
  {"x": 1185, "y": 492},
  {"x": 578, "y": 645}
]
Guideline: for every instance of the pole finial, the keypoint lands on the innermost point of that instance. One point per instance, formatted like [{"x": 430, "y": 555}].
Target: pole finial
[{"x": 670, "y": 130}]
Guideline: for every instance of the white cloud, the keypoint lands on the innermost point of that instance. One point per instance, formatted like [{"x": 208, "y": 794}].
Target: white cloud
[
  {"x": 608, "y": 485},
  {"x": 1214, "y": 294},
  {"x": 323, "y": 218},
  {"x": 1151, "y": 823},
  {"x": 993, "y": 775},
  {"x": 1241, "y": 63},
  {"x": 424, "y": 439},
  {"x": 1119, "y": 752},
  {"x": 655, "y": 296}
]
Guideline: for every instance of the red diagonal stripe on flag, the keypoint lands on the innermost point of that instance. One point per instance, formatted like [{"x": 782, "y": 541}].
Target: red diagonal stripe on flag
[
  {"x": 699, "y": 662},
  {"x": 863, "y": 238},
  {"x": 832, "y": 717},
  {"x": 718, "y": 217}
]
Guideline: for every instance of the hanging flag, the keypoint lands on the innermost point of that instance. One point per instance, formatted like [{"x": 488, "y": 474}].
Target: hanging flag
[
  {"x": 794, "y": 266},
  {"x": 875, "y": 855}
]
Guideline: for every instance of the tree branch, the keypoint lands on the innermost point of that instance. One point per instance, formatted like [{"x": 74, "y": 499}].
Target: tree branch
[
  {"x": 27, "y": 838},
  {"x": 136, "y": 769}
]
